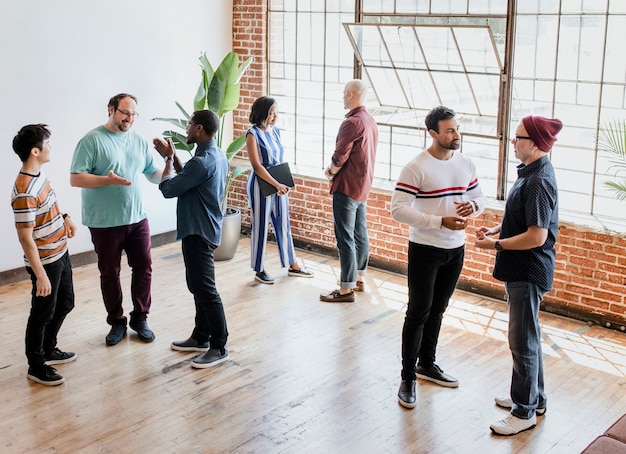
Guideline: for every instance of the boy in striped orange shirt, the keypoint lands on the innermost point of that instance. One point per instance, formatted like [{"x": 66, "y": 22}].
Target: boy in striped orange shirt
[{"x": 43, "y": 231}]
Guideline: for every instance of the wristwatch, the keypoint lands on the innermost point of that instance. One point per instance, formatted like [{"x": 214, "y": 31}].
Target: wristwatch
[
  {"x": 167, "y": 158},
  {"x": 499, "y": 247}
]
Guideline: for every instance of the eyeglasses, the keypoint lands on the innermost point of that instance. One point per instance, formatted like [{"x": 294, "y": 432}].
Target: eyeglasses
[
  {"x": 127, "y": 113},
  {"x": 523, "y": 137}
]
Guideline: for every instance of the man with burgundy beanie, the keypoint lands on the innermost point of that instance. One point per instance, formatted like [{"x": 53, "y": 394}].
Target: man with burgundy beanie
[{"x": 525, "y": 261}]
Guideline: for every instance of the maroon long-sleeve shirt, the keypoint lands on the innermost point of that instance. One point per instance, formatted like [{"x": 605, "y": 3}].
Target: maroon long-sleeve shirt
[{"x": 355, "y": 153}]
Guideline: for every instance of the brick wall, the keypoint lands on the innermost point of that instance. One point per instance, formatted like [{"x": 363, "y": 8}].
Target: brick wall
[{"x": 590, "y": 278}]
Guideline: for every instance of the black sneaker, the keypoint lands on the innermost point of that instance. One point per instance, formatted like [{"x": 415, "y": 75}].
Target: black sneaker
[
  {"x": 116, "y": 334},
  {"x": 299, "y": 272},
  {"x": 59, "y": 357},
  {"x": 190, "y": 345},
  {"x": 436, "y": 375},
  {"x": 45, "y": 375},
  {"x": 212, "y": 357},
  {"x": 406, "y": 393},
  {"x": 264, "y": 278},
  {"x": 143, "y": 331}
]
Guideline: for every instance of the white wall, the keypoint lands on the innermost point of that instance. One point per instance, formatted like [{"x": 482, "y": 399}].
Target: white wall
[{"x": 62, "y": 60}]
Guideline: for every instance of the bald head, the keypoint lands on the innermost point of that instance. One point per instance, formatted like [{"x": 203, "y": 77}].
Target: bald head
[{"x": 354, "y": 94}]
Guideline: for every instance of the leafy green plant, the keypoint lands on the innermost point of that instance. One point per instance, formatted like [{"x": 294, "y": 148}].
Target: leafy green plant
[
  {"x": 612, "y": 139},
  {"x": 218, "y": 91}
]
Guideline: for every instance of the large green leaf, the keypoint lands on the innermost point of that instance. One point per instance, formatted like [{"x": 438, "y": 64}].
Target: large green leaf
[
  {"x": 234, "y": 147},
  {"x": 179, "y": 140}
]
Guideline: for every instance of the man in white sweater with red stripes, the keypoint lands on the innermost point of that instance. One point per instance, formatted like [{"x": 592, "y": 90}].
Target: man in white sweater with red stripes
[{"x": 435, "y": 194}]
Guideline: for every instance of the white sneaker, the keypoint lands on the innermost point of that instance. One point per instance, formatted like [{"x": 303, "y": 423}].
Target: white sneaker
[
  {"x": 512, "y": 425},
  {"x": 507, "y": 402}
]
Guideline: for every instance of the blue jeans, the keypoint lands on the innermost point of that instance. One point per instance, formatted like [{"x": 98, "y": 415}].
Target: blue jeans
[
  {"x": 352, "y": 238},
  {"x": 210, "y": 323},
  {"x": 47, "y": 313},
  {"x": 527, "y": 386},
  {"x": 432, "y": 277}
]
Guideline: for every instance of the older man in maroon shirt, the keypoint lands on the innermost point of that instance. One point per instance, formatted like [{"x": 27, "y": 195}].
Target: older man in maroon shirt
[{"x": 351, "y": 174}]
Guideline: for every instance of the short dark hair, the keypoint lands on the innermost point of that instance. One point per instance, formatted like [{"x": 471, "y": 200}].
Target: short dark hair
[
  {"x": 115, "y": 100},
  {"x": 436, "y": 115},
  {"x": 208, "y": 120},
  {"x": 261, "y": 110},
  {"x": 29, "y": 137}
]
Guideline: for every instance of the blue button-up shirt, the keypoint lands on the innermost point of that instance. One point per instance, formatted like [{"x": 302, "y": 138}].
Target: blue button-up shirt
[{"x": 200, "y": 189}]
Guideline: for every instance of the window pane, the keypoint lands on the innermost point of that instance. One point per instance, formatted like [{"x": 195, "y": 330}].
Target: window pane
[
  {"x": 580, "y": 47},
  {"x": 535, "y": 47},
  {"x": 614, "y": 61}
]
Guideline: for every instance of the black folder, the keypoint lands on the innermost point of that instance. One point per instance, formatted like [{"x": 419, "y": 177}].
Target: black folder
[{"x": 281, "y": 173}]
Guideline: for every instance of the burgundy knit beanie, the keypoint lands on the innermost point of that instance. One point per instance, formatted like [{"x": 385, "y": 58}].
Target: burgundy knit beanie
[{"x": 542, "y": 130}]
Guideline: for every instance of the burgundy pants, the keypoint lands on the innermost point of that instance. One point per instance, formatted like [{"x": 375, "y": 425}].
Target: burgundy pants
[{"x": 134, "y": 239}]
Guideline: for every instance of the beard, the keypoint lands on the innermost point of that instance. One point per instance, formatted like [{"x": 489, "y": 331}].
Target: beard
[{"x": 453, "y": 145}]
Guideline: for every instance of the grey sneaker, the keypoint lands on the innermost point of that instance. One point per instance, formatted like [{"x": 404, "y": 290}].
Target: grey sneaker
[
  {"x": 264, "y": 278},
  {"x": 507, "y": 402},
  {"x": 436, "y": 375},
  {"x": 116, "y": 334},
  {"x": 512, "y": 425},
  {"x": 59, "y": 357},
  {"x": 190, "y": 345},
  {"x": 142, "y": 329},
  {"x": 212, "y": 357}
]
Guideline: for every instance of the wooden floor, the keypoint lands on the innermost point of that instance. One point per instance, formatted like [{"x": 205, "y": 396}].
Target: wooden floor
[{"x": 303, "y": 376}]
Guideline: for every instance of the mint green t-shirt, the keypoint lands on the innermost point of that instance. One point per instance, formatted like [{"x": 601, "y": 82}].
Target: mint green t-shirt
[{"x": 128, "y": 155}]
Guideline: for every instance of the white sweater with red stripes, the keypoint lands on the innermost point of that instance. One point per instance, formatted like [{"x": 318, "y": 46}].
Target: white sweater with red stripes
[{"x": 426, "y": 191}]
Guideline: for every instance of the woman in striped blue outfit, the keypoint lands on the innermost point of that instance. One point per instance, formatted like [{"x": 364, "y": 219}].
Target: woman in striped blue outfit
[{"x": 265, "y": 150}]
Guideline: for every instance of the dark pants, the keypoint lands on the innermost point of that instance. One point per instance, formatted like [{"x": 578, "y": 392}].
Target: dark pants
[
  {"x": 109, "y": 243},
  {"x": 200, "y": 272},
  {"x": 47, "y": 313},
  {"x": 432, "y": 277}
]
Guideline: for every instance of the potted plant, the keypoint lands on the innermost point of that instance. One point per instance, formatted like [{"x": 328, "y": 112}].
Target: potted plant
[
  {"x": 612, "y": 139},
  {"x": 218, "y": 91}
]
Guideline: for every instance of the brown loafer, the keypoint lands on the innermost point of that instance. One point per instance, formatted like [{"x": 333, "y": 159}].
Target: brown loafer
[
  {"x": 336, "y": 297},
  {"x": 360, "y": 286}
]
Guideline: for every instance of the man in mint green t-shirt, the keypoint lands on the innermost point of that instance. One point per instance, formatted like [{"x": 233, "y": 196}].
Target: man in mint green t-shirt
[{"x": 107, "y": 165}]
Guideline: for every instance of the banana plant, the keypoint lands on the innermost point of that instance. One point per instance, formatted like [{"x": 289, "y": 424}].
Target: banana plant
[
  {"x": 612, "y": 139},
  {"x": 218, "y": 91}
]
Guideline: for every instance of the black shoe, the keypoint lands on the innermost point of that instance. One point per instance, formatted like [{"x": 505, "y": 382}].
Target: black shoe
[
  {"x": 212, "y": 357},
  {"x": 299, "y": 272},
  {"x": 436, "y": 375},
  {"x": 45, "y": 375},
  {"x": 406, "y": 394},
  {"x": 116, "y": 334},
  {"x": 190, "y": 345},
  {"x": 263, "y": 277},
  {"x": 143, "y": 331},
  {"x": 59, "y": 357}
]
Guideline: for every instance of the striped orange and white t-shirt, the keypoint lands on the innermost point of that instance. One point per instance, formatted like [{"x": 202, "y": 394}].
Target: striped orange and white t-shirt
[{"x": 34, "y": 205}]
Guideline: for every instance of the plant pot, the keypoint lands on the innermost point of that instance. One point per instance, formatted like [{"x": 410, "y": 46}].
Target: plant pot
[{"x": 231, "y": 232}]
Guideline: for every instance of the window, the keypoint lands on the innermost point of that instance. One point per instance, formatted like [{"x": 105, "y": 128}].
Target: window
[{"x": 414, "y": 54}]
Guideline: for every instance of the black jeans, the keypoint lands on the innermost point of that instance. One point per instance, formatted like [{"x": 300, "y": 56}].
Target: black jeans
[
  {"x": 432, "y": 277},
  {"x": 47, "y": 313},
  {"x": 200, "y": 272}
]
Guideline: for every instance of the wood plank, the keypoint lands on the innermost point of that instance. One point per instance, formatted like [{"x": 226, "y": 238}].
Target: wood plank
[{"x": 303, "y": 376}]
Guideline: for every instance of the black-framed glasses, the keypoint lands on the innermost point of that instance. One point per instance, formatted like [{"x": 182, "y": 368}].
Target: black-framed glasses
[
  {"x": 127, "y": 113},
  {"x": 523, "y": 137}
]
